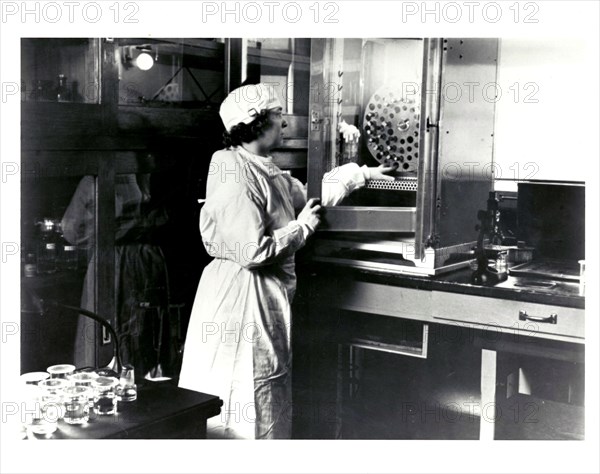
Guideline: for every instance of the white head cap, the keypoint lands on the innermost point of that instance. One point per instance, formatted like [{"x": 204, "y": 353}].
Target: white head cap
[{"x": 245, "y": 103}]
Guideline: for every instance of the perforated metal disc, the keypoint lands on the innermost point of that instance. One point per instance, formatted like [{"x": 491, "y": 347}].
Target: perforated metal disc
[{"x": 391, "y": 129}]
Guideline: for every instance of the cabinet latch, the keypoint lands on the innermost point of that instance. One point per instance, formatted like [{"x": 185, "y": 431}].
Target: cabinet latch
[{"x": 315, "y": 121}]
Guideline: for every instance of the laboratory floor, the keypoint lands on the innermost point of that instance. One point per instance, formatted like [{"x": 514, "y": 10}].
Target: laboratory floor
[
  {"x": 399, "y": 397},
  {"x": 389, "y": 396}
]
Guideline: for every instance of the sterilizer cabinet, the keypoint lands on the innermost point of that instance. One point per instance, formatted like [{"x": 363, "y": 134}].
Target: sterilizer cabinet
[{"x": 424, "y": 107}]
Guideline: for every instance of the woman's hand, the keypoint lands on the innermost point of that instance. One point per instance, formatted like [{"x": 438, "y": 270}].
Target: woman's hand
[
  {"x": 309, "y": 216},
  {"x": 381, "y": 172}
]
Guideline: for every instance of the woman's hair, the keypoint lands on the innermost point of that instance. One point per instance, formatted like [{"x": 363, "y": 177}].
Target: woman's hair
[{"x": 246, "y": 133}]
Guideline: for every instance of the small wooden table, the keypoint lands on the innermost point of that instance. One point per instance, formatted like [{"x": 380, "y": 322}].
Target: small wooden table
[{"x": 161, "y": 411}]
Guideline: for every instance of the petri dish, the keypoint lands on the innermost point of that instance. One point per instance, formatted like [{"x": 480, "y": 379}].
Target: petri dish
[{"x": 34, "y": 378}]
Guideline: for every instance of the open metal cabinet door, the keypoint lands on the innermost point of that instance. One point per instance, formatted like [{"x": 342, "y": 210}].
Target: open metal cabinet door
[
  {"x": 458, "y": 124},
  {"x": 465, "y": 168},
  {"x": 355, "y": 80}
]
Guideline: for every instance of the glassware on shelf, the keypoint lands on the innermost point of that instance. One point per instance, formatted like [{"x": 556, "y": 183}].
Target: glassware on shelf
[
  {"x": 350, "y": 151},
  {"x": 62, "y": 92},
  {"x": 69, "y": 258},
  {"x": 349, "y": 136},
  {"x": 52, "y": 251},
  {"x": 30, "y": 265},
  {"x": 42, "y": 91},
  {"x": 47, "y": 253}
]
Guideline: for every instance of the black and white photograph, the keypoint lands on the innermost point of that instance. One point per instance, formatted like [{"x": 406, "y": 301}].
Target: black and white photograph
[{"x": 321, "y": 236}]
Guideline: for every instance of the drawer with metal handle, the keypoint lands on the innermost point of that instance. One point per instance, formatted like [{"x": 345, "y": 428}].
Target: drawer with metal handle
[
  {"x": 510, "y": 317},
  {"x": 552, "y": 319}
]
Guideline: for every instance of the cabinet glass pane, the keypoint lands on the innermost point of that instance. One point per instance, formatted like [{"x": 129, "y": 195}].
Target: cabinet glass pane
[
  {"x": 374, "y": 85},
  {"x": 60, "y": 70},
  {"x": 172, "y": 71},
  {"x": 150, "y": 304},
  {"x": 58, "y": 233},
  {"x": 285, "y": 64}
]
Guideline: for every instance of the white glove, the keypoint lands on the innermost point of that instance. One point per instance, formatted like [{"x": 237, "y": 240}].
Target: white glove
[
  {"x": 349, "y": 132},
  {"x": 309, "y": 217},
  {"x": 380, "y": 172}
]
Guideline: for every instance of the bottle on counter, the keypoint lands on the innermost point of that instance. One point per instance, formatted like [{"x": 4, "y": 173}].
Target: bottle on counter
[{"x": 30, "y": 265}]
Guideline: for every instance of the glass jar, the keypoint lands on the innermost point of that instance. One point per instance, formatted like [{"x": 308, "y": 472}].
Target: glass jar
[
  {"x": 127, "y": 389},
  {"x": 350, "y": 150},
  {"x": 77, "y": 404},
  {"x": 35, "y": 421},
  {"x": 502, "y": 262},
  {"x": 52, "y": 398},
  {"x": 105, "y": 397},
  {"x": 83, "y": 379},
  {"x": 69, "y": 257},
  {"x": 61, "y": 371}
]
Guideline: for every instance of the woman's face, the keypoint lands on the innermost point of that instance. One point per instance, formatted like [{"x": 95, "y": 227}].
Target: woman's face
[{"x": 272, "y": 136}]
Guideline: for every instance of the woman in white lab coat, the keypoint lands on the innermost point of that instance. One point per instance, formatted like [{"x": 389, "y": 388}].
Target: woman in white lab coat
[{"x": 253, "y": 221}]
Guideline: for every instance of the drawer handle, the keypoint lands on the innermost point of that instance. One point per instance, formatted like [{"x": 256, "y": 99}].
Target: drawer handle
[{"x": 552, "y": 319}]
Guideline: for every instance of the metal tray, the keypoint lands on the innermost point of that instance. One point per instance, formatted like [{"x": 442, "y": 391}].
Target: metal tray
[{"x": 548, "y": 268}]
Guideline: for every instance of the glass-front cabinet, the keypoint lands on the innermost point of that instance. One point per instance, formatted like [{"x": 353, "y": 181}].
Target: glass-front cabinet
[
  {"x": 404, "y": 104},
  {"x": 60, "y": 70},
  {"x": 114, "y": 155},
  {"x": 117, "y": 136},
  {"x": 54, "y": 262},
  {"x": 283, "y": 63},
  {"x": 62, "y": 209}
]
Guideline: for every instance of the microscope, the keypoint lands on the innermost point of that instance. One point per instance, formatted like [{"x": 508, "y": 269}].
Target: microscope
[{"x": 489, "y": 226}]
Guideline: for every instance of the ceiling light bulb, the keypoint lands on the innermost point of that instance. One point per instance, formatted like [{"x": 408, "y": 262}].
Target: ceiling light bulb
[{"x": 144, "y": 61}]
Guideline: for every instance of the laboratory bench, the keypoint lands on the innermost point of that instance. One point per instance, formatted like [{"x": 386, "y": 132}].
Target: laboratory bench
[
  {"x": 162, "y": 411},
  {"x": 516, "y": 288},
  {"x": 398, "y": 356}
]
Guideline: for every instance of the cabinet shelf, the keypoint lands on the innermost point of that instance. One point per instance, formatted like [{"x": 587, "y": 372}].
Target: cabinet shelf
[
  {"x": 58, "y": 279},
  {"x": 277, "y": 59}
]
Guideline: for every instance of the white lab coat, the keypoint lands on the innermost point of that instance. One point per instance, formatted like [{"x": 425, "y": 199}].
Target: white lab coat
[{"x": 238, "y": 340}]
